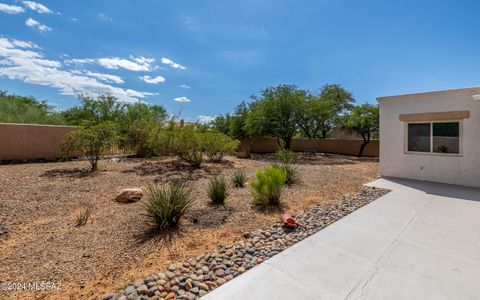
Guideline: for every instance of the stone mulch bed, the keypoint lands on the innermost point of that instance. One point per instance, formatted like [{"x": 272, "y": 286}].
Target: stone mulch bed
[{"x": 195, "y": 277}]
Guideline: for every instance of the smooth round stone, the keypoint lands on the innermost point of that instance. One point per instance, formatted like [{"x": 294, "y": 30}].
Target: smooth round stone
[
  {"x": 142, "y": 290},
  {"x": 129, "y": 290},
  {"x": 180, "y": 292},
  {"x": 138, "y": 283},
  {"x": 220, "y": 272},
  {"x": 109, "y": 296}
]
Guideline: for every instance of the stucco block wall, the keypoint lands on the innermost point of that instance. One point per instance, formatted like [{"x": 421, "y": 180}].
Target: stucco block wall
[
  {"x": 27, "y": 141},
  {"x": 460, "y": 170},
  {"x": 338, "y": 146}
]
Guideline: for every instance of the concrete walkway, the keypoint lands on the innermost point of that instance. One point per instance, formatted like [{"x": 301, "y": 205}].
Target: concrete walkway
[{"x": 420, "y": 241}]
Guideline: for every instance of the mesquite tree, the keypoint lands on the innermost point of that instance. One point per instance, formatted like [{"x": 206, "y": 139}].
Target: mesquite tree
[
  {"x": 275, "y": 113},
  {"x": 91, "y": 142},
  {"x": 364, "y": 120}
]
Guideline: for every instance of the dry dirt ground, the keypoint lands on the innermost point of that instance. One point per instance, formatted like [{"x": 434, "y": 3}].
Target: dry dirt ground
[{"x": 39, "y": 204}]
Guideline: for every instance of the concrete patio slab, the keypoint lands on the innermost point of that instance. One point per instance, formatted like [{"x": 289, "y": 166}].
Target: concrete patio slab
[{"x": 420, "y": 241}]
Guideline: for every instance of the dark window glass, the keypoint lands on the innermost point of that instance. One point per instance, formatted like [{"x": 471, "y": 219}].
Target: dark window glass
[
  {"x": 419, "y": 137},
  {"x": 446, "y": 137}
]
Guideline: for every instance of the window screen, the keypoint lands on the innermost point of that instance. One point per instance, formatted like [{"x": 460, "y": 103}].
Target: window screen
[
  {"x": 446, "y": 137},
  {"x": 419, "y": 137}
]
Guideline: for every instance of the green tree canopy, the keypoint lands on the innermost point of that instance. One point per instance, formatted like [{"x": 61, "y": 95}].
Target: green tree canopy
[
  {"x": 139, "y": 128},
  {"x": 26, "y": 110},
  {"x": 275, "y": 113},
  {"x": 95, "y": 110},
  {"x": 320, "y": 111},
  {"x": 364, "y": 120}
]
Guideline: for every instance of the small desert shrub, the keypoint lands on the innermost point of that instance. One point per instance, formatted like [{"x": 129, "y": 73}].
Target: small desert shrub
[
  {"x": 218, "y": 190},
  {"x": 286, "y": 157},
  {"x": 91, "y": 141},
  {"x": 191, "y": 143},
  {"x": 84, "y": 216},
  {"x": 187, "y": 144},
  {"x": 140, "y": 127},
  {"x": 166, "y": 205},
  {"x": 243, "y": 152},
  {"x": 140, "y": 136},
  {"x": 217, "y": 145},
  {"x": 238, "y": 179},
  {"x": 267, "y": 186}
]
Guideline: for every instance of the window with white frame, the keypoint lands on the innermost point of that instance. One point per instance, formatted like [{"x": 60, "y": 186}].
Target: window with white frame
[{"x": 434, "y": 137}]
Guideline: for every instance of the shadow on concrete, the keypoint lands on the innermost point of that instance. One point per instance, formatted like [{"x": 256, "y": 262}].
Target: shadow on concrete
[{"x": 440, "y": 189}]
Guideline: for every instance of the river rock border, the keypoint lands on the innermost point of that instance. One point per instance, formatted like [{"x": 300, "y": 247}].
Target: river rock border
[{"x": 195, "y": 277}]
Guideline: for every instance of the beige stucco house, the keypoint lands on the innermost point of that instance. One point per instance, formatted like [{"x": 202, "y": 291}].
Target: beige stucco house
[{"x": 432, "y": 136}]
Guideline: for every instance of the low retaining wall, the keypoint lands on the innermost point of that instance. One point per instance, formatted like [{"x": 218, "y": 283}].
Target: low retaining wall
[
  {"x": 348, "y": 147},
  {"x": 29, "y": 141}
]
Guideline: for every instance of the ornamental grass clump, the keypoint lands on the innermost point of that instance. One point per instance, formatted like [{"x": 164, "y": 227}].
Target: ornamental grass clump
[
  {"x": 218, "y": 190},
  {"x": 165, "y": 205},
  {"x": 290, "y": 171},
  {"x": 239, "y": 179},
  {"x": 286, "y": 163},
  {"x": 267, "y": 186}
]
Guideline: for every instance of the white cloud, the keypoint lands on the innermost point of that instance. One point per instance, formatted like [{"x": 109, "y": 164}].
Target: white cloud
[
  {"x": 172, "y": 64},
  {"x": 30, "y": 66},
  {"x": 35, "y": 24},
  {"x": 116, "y": 62},
  {"x": 80, "y": 61},
  {"x": 184, "y": 86},
  {"x": 142, "y": 60},
  {"x": 181, "y": 99},
  {"x": 23, "y": 44},
  {"x": 38, "y": 7},
  {"x": 106, "y": 77},
  {"x": 153, "y": 80},
  {"x": 136, "y": 64},
  {"x": 105, "y": 17},
  {"x": 11, "y": 9},
  {"x": 205, "y": 119}
]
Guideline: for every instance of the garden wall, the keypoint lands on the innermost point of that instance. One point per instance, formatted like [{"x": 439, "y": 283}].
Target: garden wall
[
  {"x": 348, "y": 147},
  {"x": 29, "y": 141}
]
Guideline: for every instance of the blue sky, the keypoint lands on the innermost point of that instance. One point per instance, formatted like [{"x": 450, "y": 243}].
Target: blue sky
[{"x": 203, "y": 57}]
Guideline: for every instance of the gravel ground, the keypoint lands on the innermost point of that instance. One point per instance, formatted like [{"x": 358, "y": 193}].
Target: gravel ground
[
  {"x": 39, "y": 204},
  {"x": 195, "y": 277}
]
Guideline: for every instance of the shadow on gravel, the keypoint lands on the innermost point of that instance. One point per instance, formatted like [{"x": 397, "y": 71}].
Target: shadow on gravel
[
  {"x": 3, "y": 230},
  {"x": 269, "y": 210},
  {"x": 210, "y": 217},
  {"x": 175, "y": 170},
  {"x": 312, "y": 158},
  {"x": 157, "y": 238},
  {"x": 76, "y": 173}
]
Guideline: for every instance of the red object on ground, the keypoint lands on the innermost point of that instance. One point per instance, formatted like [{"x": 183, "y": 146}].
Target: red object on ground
[{"x": 288, "y": 221}]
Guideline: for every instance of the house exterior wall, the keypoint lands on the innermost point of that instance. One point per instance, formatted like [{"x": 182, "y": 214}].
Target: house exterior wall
[{"x": 462, "y": 169}]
